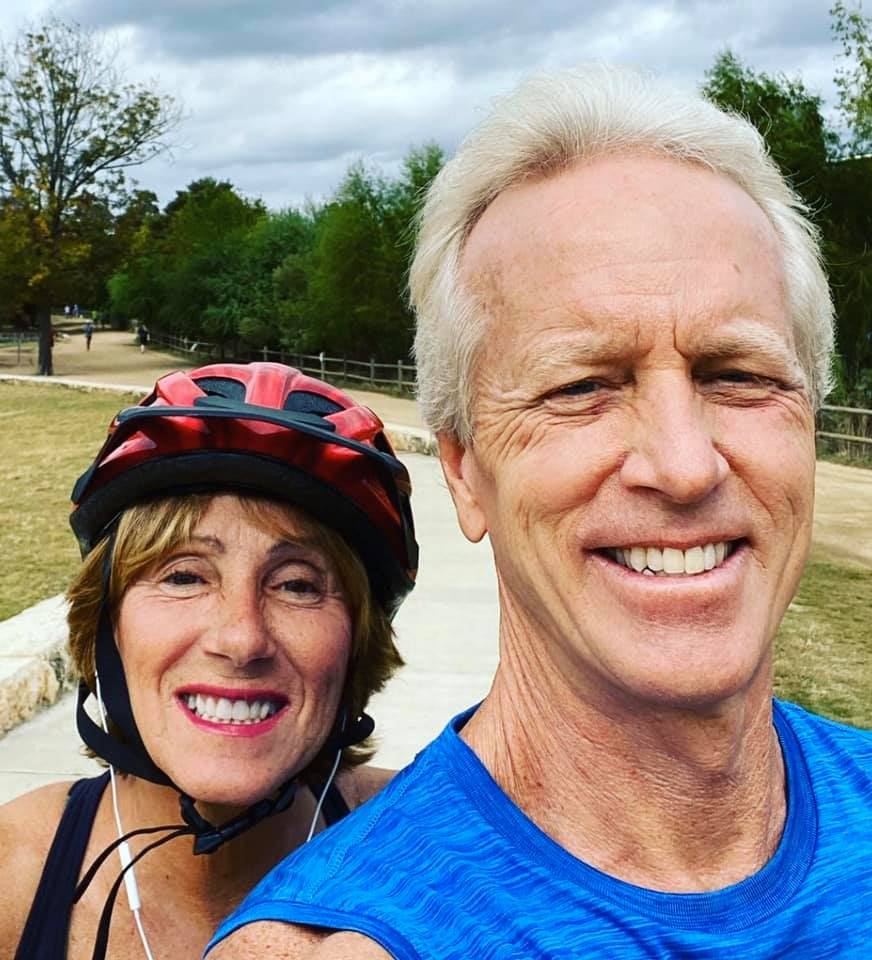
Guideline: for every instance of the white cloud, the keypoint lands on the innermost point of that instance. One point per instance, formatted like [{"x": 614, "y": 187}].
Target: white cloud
[{"x": 280, "y": 96}]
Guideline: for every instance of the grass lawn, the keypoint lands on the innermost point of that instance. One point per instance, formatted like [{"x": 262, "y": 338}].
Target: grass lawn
[
  {"x": 48, "y": 436},
  {"x": 823, "y": 655}
]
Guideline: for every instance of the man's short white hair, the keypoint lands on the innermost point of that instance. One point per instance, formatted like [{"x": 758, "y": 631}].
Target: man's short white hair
[{"x": 549, "y": 122}]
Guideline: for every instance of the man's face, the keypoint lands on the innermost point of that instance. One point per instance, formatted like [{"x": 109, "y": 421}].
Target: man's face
[{"x": 643, "y": 457}]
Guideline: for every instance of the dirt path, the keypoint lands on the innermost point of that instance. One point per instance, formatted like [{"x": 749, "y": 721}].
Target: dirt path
[
  {"x": 114, "y": 358},
  {"x": 843, "y": 516}
]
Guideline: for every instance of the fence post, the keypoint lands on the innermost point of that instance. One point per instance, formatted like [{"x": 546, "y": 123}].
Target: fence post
[
  {"x": 264, "y": 355},
  {"x": 321, "y": 362},
  {"x": 400, "y": 375},
  {"x": 345, "y": 368},
  {"x": 372, "y": 369}
]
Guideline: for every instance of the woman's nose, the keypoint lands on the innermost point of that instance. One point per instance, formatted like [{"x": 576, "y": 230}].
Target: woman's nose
[{"x": 240, "y": 632}]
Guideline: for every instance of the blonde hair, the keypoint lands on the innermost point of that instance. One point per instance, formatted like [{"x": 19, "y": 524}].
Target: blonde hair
[
  {"x": 554, "y": 120},
  {"x": 148, "y": 531}
]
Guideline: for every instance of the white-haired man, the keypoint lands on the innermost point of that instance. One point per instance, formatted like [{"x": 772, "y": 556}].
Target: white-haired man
[{"x": 623, "y": 333}]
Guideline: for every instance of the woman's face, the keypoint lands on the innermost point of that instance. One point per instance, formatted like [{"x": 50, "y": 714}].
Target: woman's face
[{"x": 235, "y": 647}]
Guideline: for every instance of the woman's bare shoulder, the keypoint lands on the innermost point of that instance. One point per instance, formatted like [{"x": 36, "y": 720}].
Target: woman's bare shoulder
[
  {"x": 360, "y": 783},
  {"x": 27, "y": 827}
]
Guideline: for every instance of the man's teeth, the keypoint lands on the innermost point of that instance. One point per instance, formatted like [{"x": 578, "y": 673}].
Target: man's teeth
[
  {"x": 223, "y": 710},
  {"x": 668, "y": 561}
]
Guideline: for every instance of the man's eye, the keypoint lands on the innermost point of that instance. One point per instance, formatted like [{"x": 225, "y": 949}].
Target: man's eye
[
  {"x": 739, "y": 376},
  {"x": 578, "y": 389},
  {"x": 743, "y": 378}
]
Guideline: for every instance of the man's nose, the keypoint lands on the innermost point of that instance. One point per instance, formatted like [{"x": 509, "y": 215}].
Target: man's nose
[
  {"x": 673, "y": 443},
  {"x": 240, "y": 632}
]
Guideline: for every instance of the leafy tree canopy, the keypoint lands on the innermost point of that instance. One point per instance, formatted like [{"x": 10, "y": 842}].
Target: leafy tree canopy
[{"x": 70, "y": 129}]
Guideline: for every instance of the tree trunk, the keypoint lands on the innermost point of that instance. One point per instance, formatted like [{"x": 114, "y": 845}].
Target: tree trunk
[{"x": 43, "y": 320}]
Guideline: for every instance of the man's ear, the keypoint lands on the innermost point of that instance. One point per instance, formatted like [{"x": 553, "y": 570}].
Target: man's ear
[{"x": 464, "y": 482}]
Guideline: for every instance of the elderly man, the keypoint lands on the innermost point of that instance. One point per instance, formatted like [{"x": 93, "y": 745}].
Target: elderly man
[{"x": 623, "y": 333}]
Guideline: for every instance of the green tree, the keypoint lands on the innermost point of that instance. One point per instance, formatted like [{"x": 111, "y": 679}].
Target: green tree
[
  {"x": 256, "y": 293},
  {"x": 358, "y": 270},
  {"x": 184, "y": 264},
  {"x": 854, "y": 76},
  {"x": 837, "y": 188},
  {"x": 786, "y": 113},
  {"x": 69, "y": 131}
]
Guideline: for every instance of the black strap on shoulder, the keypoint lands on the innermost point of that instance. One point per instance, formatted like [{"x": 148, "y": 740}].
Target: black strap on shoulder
[
  {"x": 47, "y": 928},
  {"x": 333, "y": 807}
]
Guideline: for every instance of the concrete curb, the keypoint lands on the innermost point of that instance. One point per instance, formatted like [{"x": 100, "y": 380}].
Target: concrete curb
[
  {"x": 76, "y": 384},
  {"x": 34, "y": 664},
  {"x": 35, "y": 669}
]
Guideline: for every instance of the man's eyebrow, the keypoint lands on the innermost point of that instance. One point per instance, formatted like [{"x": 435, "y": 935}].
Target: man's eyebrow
[
  {"x": 751, "y": 342},
  {"x": 557, "y": 357}
]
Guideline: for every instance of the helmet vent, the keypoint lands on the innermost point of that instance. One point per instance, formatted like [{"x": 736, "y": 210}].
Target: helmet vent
[
  {"x": 304, "y": 401},
  {"x": 222, "y": 387}
]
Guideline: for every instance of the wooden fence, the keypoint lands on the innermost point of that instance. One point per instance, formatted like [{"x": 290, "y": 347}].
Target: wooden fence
[
  {"x": 846, "y": 431},
  {"x": 841, "y": 430},
  {"x": 398, "y": 376}
]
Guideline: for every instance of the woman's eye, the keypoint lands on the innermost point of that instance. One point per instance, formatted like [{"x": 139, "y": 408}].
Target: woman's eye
[
  {"x": 306, "y": 589},
  {"x": 182, "y": 578}
]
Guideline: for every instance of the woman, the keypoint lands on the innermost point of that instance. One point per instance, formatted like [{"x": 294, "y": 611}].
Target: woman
[{"x": 247, "y": 537}]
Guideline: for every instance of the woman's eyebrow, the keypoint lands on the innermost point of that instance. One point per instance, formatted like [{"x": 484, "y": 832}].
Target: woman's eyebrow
[
  {"x": 215, "y": 544},
  {"x": 297, "y": 546}
]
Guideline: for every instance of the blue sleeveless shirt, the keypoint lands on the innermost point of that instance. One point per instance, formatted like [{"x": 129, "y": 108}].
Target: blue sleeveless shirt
[{"x": 442, "y": 865}]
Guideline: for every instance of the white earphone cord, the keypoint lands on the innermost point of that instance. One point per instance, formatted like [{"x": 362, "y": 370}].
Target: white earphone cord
[
  {"x": 324, "y": 794},
  {"x": 124, "y": 854}
]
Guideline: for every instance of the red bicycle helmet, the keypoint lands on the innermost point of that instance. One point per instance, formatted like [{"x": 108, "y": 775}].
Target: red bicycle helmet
[{"x": 264, "y": 429}]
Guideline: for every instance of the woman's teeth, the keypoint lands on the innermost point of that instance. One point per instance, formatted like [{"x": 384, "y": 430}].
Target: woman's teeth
[
  {"x": 223, "y": 710},
  {"x": 668, "y": 561}
]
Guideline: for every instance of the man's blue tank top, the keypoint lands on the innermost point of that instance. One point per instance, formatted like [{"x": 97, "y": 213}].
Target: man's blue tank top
[{"x": 442, "y": 865}]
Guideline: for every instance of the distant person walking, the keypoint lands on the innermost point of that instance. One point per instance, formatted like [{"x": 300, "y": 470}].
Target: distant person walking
[
  {"x": 89, "y": 332},
  {"x": 143, "y": 334}
]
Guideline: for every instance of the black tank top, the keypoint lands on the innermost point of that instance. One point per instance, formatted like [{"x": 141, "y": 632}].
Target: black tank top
[{"x": 48, "y": 923}]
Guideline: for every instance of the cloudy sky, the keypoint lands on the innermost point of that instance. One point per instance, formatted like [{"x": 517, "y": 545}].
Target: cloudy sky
[{"x": 279, "y": 96}]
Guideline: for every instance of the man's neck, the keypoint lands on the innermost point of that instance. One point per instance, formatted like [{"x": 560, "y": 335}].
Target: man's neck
[{"x": 679, "y": 800}]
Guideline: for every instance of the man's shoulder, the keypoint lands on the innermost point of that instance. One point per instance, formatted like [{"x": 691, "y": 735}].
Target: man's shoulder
[
  {"x": 285, "y": 941},
  {"x": 808, "y": 725},
  {"x": 833, "y": 751},
  {"x": 365, "y": 840}
]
